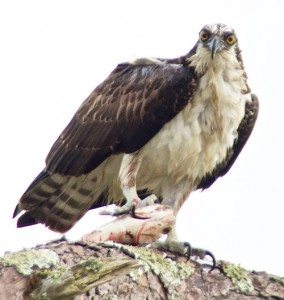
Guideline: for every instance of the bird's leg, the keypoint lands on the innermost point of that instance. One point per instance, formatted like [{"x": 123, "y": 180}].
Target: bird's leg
[
  {"x": 174, "y": 196},
  {"x": 127, "y": 175}
]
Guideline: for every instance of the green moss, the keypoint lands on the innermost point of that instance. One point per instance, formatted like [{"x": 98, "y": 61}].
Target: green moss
[
  {"x": 27, "y": 261},
  {"x": 169, "y": 271},
  {"x": 91, "y": 264},
  {"x": 278, "y": 279},
  {"x": 136, "y": 274},
  {"x": 238, "y": 276},
  {"x": 56, "y": 275},
  {"x": 66, "y": 282}
]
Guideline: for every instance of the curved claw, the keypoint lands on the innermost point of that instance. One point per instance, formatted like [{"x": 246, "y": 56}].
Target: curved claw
[
  {"x": 213, "y": 259},
  {"x": 188, "y": 252},
  {"x": 156, "y": 201},
  {"x": 201, "y": 253}
]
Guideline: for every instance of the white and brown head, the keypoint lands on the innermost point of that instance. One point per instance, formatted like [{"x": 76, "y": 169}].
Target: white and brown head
[
  {"x": 217, "y": 46},
  {"x": 216, "y": 38}
]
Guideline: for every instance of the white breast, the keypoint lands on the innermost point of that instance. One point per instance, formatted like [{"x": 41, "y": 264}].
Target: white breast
[{"x": 197, "y": 139}]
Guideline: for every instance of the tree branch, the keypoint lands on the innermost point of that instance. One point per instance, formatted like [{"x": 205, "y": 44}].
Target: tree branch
[{"x": 65, "y": 270}]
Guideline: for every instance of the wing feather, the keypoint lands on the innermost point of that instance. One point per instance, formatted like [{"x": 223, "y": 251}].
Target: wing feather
[{"x": 121, "y": 115}]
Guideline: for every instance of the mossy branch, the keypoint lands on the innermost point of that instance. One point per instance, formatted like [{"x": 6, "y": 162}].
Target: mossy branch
[{"x": 64, "y": 270}]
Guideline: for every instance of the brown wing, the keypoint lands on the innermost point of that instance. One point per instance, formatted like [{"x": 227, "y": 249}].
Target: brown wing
[
  {"x": 121, "y": 115},
  {"x": 244, "y": 132}
]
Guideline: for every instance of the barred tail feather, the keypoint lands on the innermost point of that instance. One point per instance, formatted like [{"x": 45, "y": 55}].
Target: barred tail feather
[{"x": 57, "y": 201}]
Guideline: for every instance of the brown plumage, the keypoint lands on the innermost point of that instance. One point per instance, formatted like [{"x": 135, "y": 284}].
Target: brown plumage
[
  {"x": 182, "y": 122},
  {"x": 121, "y": 115}
]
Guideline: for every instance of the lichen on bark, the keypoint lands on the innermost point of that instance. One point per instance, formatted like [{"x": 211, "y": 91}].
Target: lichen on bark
[
  {"x": 28, "y": 260},
  {"x": 169, "y": 271},
  {"x": 238, "y": 275},
  {"x": 81, "y": 271}
]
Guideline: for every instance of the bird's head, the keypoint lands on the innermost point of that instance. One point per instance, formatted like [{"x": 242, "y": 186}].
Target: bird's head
[
  {"x": 217, "y": 38},
  {"x": 216, "y": 49}
]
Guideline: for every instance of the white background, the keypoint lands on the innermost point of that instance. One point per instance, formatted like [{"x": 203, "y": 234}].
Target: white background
[{"x": 54, "y": 53}]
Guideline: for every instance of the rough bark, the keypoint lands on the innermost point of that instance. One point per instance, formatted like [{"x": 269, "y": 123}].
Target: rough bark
[{"x": 64, "y": 270}]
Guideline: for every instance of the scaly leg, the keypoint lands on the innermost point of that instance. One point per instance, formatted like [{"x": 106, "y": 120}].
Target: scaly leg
[{"x": 175, "y": 196}]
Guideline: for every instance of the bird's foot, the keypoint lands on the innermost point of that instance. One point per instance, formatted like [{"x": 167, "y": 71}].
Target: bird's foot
[
  {"x": 130, "y": 206},
  {"x": 184, "y": 248}
]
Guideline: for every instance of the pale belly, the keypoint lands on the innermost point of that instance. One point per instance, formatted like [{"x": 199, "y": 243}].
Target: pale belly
[{"x": 188, "y": 147}]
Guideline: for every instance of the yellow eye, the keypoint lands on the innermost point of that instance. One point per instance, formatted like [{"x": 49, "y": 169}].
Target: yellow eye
[
  {"x": 204, "y": 36},
  {"x": 231, "y": 39}
]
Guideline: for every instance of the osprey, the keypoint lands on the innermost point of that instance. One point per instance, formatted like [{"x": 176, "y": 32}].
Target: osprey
[{"x": 162, "y": 127}]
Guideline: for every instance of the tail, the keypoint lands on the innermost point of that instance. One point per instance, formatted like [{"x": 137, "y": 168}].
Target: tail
[{"x": 57, "y": 201}]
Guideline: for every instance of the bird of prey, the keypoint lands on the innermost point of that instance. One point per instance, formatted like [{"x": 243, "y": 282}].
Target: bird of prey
[{"x": 163, "y": 127}]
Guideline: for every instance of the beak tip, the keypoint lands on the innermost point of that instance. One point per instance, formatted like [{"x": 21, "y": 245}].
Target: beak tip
[{"x": 214, "y": 46}]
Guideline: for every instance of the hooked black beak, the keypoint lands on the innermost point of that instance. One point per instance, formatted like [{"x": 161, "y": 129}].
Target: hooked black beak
[{"x": 215, "y": 45}]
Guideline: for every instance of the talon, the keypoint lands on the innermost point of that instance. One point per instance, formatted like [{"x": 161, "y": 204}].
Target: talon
[
  {"x": 156, "y": 201},
  {"x": 213, "y": 259},
  {"x": 201, "y": 253},
  {"x": 132, "y": 212},
  {"x": 188, "y": 250}
]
